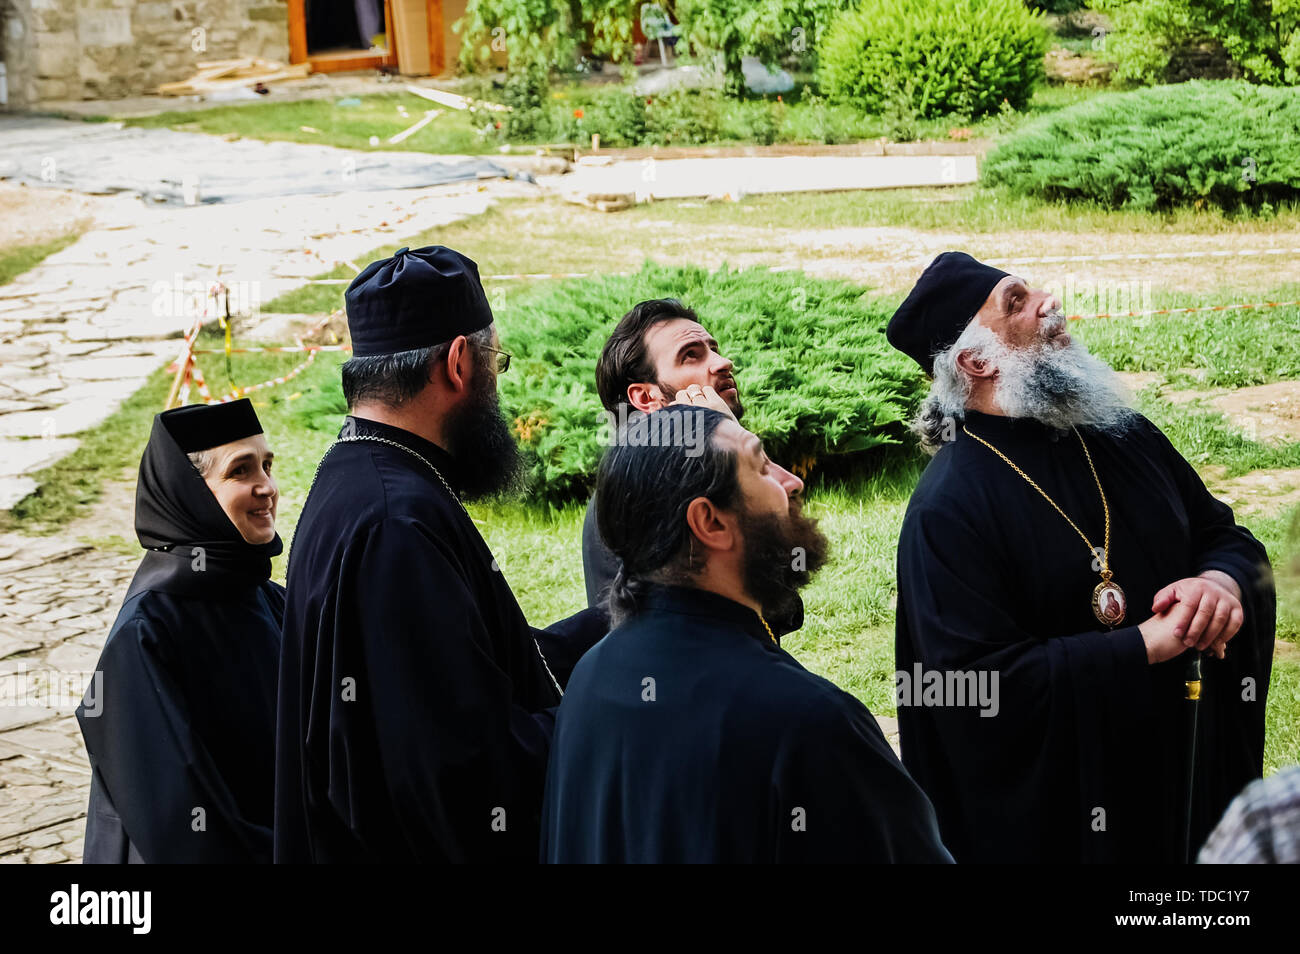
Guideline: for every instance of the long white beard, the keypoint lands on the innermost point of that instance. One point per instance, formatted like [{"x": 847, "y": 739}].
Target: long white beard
[{"x": 1061, "y": 387}]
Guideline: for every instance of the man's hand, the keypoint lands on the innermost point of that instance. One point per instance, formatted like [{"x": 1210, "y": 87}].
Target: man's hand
[
  {"x": 1216, "y": 600},
  {"x": 704, "y": 397},
  {"x": 1163, "y": 633}
]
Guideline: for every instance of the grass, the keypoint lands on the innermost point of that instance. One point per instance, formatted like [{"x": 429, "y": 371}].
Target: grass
[
  {"x": 970, "y": 208},
  {"x": 347, "y": 127},
  {"x": 462, "y": 132},
  {"x": 18, "y": 259},
  {"x": 1216, "y": 349}
]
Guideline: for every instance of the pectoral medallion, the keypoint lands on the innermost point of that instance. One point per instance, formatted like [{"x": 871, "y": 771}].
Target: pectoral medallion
[{"x": 1109, "y": 603}]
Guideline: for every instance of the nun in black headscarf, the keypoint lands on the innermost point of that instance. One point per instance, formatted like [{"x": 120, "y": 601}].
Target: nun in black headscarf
[{"x": 180, "y": 720}]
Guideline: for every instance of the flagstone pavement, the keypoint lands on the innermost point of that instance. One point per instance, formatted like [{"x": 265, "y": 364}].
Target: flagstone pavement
[{"x": 78, "y": 334}]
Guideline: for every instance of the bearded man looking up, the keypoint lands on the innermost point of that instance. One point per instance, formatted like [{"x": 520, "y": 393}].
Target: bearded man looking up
[
  {"x": 1058, "y": 542},
  {"x": 688, "y": 734}
]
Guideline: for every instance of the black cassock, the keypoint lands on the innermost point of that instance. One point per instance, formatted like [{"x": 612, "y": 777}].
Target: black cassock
[
  {"x": 181, "y": 738},
  {"x": 187, "y": 723},
  {"x": 1085, "y": 759},
  {"x": 415, "y": 707},
  {"x": 688, "y": 735}
]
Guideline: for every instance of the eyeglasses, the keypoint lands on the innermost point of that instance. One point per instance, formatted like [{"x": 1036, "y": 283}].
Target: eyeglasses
[{"x": 503, "y": 359}]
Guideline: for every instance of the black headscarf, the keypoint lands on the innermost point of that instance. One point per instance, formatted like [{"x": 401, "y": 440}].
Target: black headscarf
[{"x": 194, "y": 548}]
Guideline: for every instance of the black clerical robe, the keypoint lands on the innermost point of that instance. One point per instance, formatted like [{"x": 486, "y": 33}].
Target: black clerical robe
[
  {"x": 415, "y": 707},
  {"x": 180, "y": 728},
  {"x": 599, "y": 564},
  {"x": 1085, "y": 757},
  {"x": 689, "y": 735}
]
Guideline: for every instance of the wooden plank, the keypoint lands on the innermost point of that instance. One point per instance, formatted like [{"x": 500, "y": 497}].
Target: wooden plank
[
  {"x": 437, "y": 48},
  {"x": 225, "y": 66},
  {"x": 343, "y": 62},
  {"x": 297, "y": 31}
]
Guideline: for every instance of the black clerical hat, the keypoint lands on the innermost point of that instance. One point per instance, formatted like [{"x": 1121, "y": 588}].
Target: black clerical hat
[
  {"x": 416, "y": 299},
  {"x": 197, "y": 427},
  {"x": 940, "y": 306}
]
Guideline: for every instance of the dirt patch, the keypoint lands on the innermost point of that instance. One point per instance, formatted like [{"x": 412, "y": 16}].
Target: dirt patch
[
  {"x": 32, "y": 216},
  {"x": 1268, "y": 413},
  {"x": 891, "y": 258},
  {"x": 1138, "y": 381},
  {"x": 1258, "y": 493}
]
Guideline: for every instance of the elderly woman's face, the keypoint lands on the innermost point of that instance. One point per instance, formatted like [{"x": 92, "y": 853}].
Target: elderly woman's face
[{"x": 240, "y": 478}]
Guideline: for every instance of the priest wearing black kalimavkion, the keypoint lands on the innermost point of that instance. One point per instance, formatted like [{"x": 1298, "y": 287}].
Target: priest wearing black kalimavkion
[
  {"x": 180, "y": 727},
  {"x": 1059, "y": 546},
  {"x": 416, "y": 706},
  {"x": 688, "y": 734}
]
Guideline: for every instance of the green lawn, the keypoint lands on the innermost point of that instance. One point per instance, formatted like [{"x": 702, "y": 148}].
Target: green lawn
[
  {"x": 18, "y": 259},
  {"x": 348, "y": 127}
]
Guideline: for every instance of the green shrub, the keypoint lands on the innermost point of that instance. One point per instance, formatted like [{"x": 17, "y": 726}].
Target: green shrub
[
  {"x": 619, "y": 117},
  {"x": 821, "y": 384},
  {"x": 547, "y": 32},
  {"x": 1262, "y": 37},
  {"x": 938, "y": 56},
  {"x": 526, "y": 92},
  {"x": 816, "y": 120},
  {"x": 757, "y": 121},
  {"x": 684, "y": 117},
  {"x": 1228, "y": 144},
  {"x": 772, "y": 30}
]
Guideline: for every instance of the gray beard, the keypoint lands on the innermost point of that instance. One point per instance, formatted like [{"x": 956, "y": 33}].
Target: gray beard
[{"x": 1061, "y": 387}]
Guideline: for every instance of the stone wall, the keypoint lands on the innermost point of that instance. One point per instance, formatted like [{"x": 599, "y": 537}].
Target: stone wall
[{"x": 106, "y": 49}]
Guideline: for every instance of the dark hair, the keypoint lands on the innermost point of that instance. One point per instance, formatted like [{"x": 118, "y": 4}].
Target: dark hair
[
  {"x": 393, "y": 379},
  {"x": 643, "y": 490},
  {"x": 623, "y": 360}
]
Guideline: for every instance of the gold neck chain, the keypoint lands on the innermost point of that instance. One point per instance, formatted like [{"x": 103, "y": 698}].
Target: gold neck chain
[
  {"x": 1105, "y": 552},
  {"x": 766, "y": 627}
]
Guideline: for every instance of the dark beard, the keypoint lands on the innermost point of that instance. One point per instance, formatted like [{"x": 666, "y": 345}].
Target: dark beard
[
  {"x": 781, "y": 555},
  {"x": 487, "y": 457},
  {"x": 670, "y": 395}
]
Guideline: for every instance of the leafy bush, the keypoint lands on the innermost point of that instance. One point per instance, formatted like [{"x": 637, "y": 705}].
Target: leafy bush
[
  {"x": 1228, "y": 144},
  {"x": 683, "y": 117},
  {"x": 1261, "y": 36},
  {"x": 820, "y": 382},
  {"x": 772, "y": 30},
  {"x": 546, "y": 32},
  {"x": 526, "y": 92},
  {"x": 934, "y": 57},
  {"x": 619, "y": 116}
]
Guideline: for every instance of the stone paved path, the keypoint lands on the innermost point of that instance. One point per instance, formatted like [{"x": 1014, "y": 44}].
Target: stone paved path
[
  {"x": 57, "y": 603},
  {"x": 83, "y": 330},
  {"x": 78, "y": 334}
]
